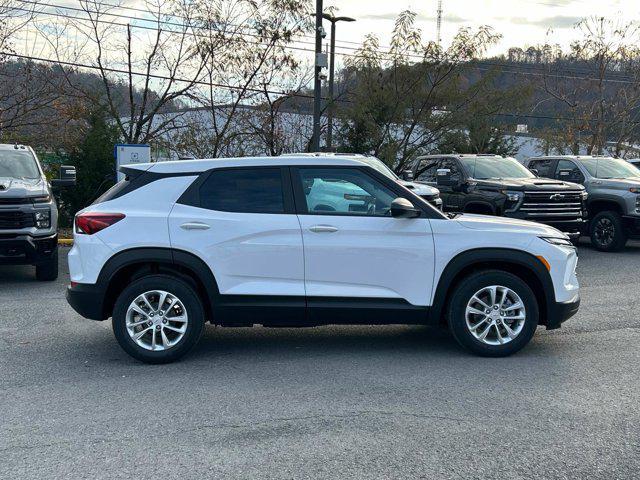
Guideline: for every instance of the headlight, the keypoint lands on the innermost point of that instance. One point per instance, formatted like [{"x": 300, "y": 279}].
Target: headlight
[
  {"x": 513, "y": 200},
  {"x": 41, "y": 199},
  {"x": 43, "y": 219},
  {"x": 561, "y": 241},
  {"x": 513, "y": 196}
]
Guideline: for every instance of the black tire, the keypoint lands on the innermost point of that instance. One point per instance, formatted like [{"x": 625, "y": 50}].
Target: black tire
[
  {"x": 189, "y": 299},
  {"x": 607, "y": 231},
  {"x": 462, "y": 294},
  {"x": 48, "y": 271}
]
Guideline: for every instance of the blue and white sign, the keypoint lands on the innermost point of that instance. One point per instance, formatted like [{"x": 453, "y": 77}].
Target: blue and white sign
[{"x": 126, "y": 154}]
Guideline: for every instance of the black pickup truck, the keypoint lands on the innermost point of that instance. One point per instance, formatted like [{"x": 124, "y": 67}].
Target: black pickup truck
[{"x": 496, "y": 185}]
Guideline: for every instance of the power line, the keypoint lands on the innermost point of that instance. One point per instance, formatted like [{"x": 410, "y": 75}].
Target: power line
[
  {"x": 256, "y": 90},
  {"x": 154, "y": 76},
  {"x": 479, "y": 64}
]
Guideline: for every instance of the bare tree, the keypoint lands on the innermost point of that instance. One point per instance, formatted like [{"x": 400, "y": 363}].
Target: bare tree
[
  {"x": 145, "y": 70},
  {"x": 401, "y": 103},
  {"x": 596, "y": 86},
  {"x": 249, "y": 72}
]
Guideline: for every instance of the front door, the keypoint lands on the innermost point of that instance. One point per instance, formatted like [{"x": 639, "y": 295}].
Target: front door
[
  {"x": 451, "y": 195},
  {"x": 354, "y": 251}
]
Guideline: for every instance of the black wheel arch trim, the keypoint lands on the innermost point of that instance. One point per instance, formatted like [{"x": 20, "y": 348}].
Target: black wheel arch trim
[
  {"x": 600, "y": 199},
  {"x": 479, "y": 203},
  {"x": 481, "y": 256},
  {"x": 156, "y": 255}
]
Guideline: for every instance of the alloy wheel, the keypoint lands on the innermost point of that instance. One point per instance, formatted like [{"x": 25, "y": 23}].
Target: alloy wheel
[
  {"x": 604, "y": 232},
  {"x": 495, "y": 315},
  {"x": 156, "y": 320}
]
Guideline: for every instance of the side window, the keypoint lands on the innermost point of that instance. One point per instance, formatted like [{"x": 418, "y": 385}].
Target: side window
[
  {"x": 345, "y": 191},
  {"x": 543, "y": 167},
  {"x": 427, "y": 170},
  {"x": 568, "y": 171},
  {"x": 243, "y": 190},
  {"x": 453, "y": 166}
]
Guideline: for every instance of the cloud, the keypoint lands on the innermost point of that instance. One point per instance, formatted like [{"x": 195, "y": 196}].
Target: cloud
[
  {"x": 558, "y": 21},
  {"x": 449, "y": 18}
]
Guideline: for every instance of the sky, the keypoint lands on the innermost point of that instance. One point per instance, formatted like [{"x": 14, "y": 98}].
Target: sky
[{"x": 522, "y": 23}]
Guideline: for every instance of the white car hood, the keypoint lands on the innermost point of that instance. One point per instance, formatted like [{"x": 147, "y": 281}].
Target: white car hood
[{"x": 503, "y": 224}]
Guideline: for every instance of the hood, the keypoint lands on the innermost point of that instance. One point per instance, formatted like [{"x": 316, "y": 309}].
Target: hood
[
  {"x": 509, "y": 225},
  {"x": 541, "y": 184},
  {"x": 419, "y": 188},
  {"x": 18, "y": 188},
  {"x": 618, "y": 183}
]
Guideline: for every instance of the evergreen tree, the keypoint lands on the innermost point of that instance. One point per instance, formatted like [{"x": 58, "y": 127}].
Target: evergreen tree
[{"x": 95, "y": 166}]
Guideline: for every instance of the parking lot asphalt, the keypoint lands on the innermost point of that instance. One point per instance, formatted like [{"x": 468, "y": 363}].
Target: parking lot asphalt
[{"x": 330, "y": 402}]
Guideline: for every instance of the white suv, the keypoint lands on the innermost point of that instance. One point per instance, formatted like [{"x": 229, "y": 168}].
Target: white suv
[{"x": 246, "y": 241}]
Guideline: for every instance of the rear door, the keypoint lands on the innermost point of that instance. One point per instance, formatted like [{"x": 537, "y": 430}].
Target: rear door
[
  {"x": 242, "y": 223},
  {"x": 353, "y": 249}
]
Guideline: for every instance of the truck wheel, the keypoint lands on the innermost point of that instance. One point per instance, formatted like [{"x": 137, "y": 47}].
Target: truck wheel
[
  {"x": 158, "y": 319},
  {"x": 492, "y": 313},
  {"x": 48, "y": 271},
  {"x": 607, "y": 232}
]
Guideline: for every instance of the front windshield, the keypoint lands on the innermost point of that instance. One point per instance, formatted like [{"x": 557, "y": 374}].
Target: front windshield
[
  {"x": 380, "y": 166},
  {"x": 609, "y": 168},
  {"x": 18, "y": 164},
  {"x": 483, "y": 168}
]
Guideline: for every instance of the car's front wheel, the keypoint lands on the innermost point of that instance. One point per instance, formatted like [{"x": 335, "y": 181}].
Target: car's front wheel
[
  {"x": 492, "y": 313},
  {"x": 158, "y": 319},
  {"x": 48, "y": 271},
  {"x": 607, "y": 232}
]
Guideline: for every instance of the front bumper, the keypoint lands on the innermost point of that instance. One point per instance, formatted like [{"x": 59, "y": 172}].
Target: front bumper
[
  {"x": 632, "y": 225},
  {"x": 560, "y": 312},
  {"x": 87, "y": 300},
  {"x": 27, "y": 250}
]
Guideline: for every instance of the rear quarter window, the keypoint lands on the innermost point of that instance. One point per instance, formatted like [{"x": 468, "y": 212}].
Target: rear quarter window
[{"x": 113, "y": 192}]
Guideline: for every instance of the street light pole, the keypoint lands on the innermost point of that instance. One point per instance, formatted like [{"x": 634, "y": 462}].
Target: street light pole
[
  {"x": 332, "y": 54},
  {"x": 317, "y": 85}
]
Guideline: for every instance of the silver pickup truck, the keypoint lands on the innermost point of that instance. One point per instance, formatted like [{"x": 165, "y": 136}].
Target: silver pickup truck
[
  {"x": 28, "y": 211},
  {"x": 613, "y": 186}
]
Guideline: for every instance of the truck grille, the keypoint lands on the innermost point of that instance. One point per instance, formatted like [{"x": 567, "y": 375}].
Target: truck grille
[
  {"x": 13, "y": 220},
  {"x": 15, "y": 201},
  {"x": 549, "y": 206}
]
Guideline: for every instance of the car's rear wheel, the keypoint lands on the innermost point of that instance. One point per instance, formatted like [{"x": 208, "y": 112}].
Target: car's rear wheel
[
  {"x": 493, "y": 313},
  {"x": 158, "y": 319},
  {"x": 607, "y": 232}
]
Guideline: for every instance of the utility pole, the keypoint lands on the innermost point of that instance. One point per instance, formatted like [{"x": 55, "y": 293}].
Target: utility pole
[
  {"x": 332, "y": 57},
  {"x": 439, "y": 22},
  {"x": 317, "y": 84}
]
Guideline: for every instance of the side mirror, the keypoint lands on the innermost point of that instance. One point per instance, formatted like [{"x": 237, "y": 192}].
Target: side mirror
[
  {"x": 444, "y": 178},
  {"x": 67, "y": 177},
  {"x": 403, "y": 208},
  {"x": 535, "y": 171},
  {"x": 407, "y": 175}
]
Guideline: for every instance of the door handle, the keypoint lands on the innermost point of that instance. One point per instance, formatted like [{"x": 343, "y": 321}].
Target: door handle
[
  {"x": 195, "y": 226},
  {"x": 323, "y": 229}
]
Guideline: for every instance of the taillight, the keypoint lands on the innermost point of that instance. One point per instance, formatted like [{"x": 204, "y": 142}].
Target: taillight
[{"x": 92, "y": 222}]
